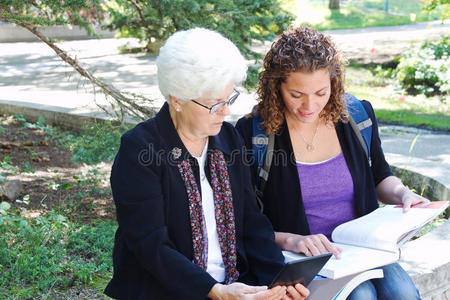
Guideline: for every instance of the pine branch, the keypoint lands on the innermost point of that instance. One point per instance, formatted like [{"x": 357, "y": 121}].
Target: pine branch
[{"x": 139, "y": 9}]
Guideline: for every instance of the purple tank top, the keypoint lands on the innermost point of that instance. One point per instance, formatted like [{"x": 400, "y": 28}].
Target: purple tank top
[{"x": 327, "y": 192}]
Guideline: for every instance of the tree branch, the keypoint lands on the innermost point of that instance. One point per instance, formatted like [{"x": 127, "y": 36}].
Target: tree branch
[
  {"x": 128, "y": 103},
  {"x": 139, "y": 9}
]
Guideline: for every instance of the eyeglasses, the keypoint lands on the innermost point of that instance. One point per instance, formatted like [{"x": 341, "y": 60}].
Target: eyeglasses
[{"x": 218, "y": 106}]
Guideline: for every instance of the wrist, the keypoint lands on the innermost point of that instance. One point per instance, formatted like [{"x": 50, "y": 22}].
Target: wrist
[
  {"x": 216, "y": 291},
  {"x": 403, "y": 193}
]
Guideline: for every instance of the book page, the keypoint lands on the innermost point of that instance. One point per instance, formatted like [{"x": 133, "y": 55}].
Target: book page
[
  {"x": 353, "y": 260},
  {"x": 356, "y": 259},
  {"x": 383, "y": 228}
]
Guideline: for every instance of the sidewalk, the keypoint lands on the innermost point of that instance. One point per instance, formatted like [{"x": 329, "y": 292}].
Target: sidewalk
[{"x": 34, "y": 81}]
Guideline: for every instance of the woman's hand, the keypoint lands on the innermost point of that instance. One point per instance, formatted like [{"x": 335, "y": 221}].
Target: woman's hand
[
  {"x": 310, "y": 245},
  {"x": 242, "y": 291},
  {"x": 409, "y": 199},
  {"x": 296, "y": 292},
  {"x": 392, "y": 191}
]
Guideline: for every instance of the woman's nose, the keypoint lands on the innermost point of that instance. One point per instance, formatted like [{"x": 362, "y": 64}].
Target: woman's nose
[{"x": 307, "y": 103}]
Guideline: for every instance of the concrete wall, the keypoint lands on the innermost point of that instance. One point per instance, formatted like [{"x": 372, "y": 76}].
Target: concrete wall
[{"x": 10, "y": 33}]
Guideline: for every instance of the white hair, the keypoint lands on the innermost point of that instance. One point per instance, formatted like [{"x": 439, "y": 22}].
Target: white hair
[{"x": 198, "y": 63}]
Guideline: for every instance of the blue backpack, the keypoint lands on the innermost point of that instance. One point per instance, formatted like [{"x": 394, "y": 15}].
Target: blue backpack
[{"x": 263, "y": 144}]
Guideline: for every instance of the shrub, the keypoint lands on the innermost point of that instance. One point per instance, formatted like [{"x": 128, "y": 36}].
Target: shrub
[{"x": 426, "y": 70}]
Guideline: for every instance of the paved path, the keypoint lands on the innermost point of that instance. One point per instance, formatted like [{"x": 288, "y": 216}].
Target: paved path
[{"x": 33, "y": 77}]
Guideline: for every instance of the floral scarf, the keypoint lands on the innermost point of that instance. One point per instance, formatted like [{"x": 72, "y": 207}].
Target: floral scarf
[{"x": 223, "y": 203}]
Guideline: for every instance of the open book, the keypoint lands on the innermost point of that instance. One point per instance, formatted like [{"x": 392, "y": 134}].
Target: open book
[{"x": 374, "y": 239}]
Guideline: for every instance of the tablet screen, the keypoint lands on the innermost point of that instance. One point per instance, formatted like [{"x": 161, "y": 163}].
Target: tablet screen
[{"x": 300, "y": 271}]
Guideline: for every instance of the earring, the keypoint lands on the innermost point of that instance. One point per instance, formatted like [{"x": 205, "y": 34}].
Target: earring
[{"x": 177, "y": 109}]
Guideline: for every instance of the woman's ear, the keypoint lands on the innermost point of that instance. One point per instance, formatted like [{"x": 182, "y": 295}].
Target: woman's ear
[{"x": 176, "y": 104}]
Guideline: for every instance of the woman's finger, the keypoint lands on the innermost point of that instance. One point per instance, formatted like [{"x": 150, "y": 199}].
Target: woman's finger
[
  {"x": 302, "y": 290},
  {"x": 330, "y": 247},
  {"x": 311, "y": 247}
]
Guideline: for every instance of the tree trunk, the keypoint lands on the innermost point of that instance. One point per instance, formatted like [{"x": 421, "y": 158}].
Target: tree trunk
[{"x": 333, "y": 4}]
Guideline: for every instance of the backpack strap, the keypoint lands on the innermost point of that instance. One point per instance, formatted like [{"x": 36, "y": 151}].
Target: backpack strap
[
  {"x": 262, "y": 150},
  {"x": 360, "y": 122}
]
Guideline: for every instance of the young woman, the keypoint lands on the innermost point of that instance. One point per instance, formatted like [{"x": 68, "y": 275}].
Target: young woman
[{"x": 320, "y": 176}]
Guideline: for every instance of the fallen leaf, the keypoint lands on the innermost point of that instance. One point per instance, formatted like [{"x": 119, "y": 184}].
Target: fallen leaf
[
  {"x": 87, "y": 200},
  {"x": 36, "y": 159}
]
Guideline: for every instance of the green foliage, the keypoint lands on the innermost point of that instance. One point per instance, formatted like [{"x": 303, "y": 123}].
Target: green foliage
[
  {"x": 392, "y": 105},
  {"x": 252, "y": 78},
  {"x": 52, "y": 12},
  {"x": 426, "y": 70},
  {"x": 50, "y": 253},
  {"x": 6, "y": 168},
  {"x": 40, "y": 124},
  {"x": 242, "y": 21},
  {"x": 96, "y": 143},
  {"x": 431, "y": 5}
]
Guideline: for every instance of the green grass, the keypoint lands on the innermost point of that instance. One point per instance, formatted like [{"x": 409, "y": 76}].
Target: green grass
[
  {"x": 359, "y": 13},
  {"x": 96, "y": 143},
  {"x": 392, "y": 106},
  {"x": 49, "y": 254}
]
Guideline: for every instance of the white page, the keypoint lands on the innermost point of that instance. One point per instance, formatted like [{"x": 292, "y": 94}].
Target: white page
[
  {"x": 382, "y": 228},
  {"x": 353, "y": 260},
  {"x": 356, "y": 259}
]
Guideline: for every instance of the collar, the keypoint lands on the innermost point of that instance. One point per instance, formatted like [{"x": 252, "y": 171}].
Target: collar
[{"x": 172, "y": 141}]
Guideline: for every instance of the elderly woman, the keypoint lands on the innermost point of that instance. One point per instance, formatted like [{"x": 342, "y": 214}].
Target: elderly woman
[
  {"x": 326, "y": 179},
  {"x": 189, "y": 225}
]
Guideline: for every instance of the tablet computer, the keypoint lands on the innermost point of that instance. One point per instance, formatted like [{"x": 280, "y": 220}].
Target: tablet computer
[{"x": 300, "y": 271}]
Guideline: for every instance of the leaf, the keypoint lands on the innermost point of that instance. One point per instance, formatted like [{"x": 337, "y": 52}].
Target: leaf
[
  {"x": 5, "y": 206},
  {"x": 413, "y": 143},
  {"x": 41, "y": 121}
]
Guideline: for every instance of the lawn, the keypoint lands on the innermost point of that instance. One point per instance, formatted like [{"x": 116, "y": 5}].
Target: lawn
[
  {"x": 392, "y": 105},
  {"x": 359, "y": 13}
]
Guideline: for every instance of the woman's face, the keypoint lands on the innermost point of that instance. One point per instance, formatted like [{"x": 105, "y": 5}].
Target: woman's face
[
  {"x": 198, "y": 119},
  {"x": 306, "y": 94}
]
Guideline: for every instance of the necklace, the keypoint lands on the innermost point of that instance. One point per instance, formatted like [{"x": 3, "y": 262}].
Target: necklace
[
  {"x": 310, "y": 146},
  {"x": 194, "y": 146}
]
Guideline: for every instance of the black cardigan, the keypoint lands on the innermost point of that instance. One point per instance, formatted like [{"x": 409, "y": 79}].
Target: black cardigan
[
  {"x": 153, "y": 245},
  {"x": 282, "y": 197}
]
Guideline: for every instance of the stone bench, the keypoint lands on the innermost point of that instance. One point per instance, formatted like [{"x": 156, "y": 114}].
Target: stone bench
[{"x": 427, "y": 261}]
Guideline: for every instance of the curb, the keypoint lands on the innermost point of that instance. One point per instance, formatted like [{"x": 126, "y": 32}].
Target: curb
[{"x": 57, "y": 118}]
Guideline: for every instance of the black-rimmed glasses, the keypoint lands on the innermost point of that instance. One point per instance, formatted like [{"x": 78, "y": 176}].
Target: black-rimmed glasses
[{"x": 218, "y": 106}]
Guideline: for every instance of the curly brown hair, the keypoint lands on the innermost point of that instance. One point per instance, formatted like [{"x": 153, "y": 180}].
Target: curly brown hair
[{"x": 299, "y": 50}]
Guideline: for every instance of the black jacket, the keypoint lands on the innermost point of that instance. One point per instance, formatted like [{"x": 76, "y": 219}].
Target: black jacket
[
  {"x": 282, "y": 195},
  {"x": 153, "y": 244}
]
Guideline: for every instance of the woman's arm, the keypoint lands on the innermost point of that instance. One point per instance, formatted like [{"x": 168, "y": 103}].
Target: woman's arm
[
  {"x": 392, "y": 191},
  {"x": 389, "y": 189}
]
